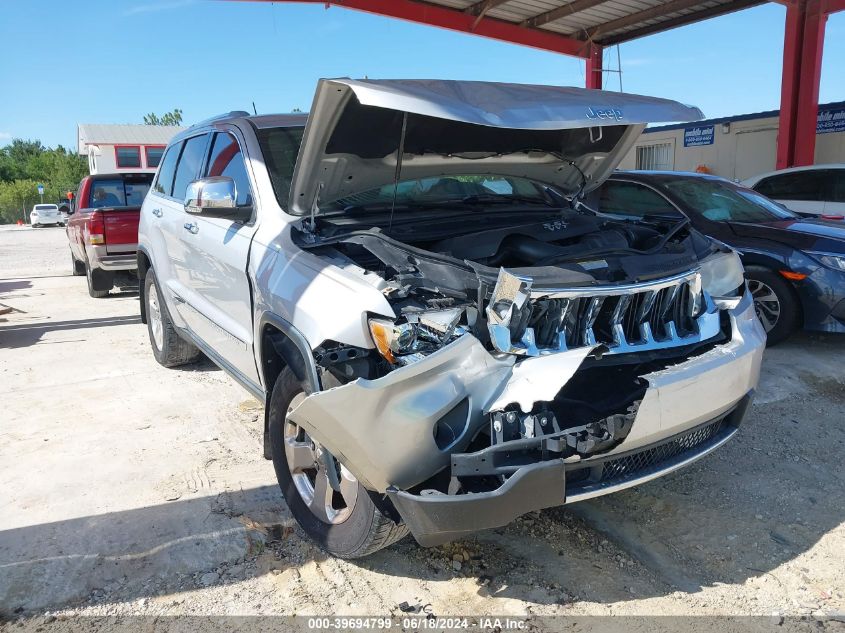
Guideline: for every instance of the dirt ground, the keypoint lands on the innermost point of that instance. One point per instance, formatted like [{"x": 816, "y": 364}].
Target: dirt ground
[{"x": 127, "y": 488}]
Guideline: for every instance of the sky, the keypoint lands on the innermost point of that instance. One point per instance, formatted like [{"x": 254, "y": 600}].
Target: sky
[{"x": 113, "y": 61}]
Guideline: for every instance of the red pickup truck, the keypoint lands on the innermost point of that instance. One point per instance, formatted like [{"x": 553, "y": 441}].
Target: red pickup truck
[{"x": 102, "y": 230}]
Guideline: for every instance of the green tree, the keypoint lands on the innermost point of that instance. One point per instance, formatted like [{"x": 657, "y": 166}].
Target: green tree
[
  {"x": 26, "y": 164},
  {"x": 168, "y": 118}
]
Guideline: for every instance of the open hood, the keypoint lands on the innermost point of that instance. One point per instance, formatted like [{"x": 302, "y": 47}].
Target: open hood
[{"x": 355, "y": 127}]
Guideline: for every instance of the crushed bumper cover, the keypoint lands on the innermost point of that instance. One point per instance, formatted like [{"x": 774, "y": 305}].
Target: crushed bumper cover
[
  {"x": 438, "y": 518},
  {"x": 434, "y": 519}
]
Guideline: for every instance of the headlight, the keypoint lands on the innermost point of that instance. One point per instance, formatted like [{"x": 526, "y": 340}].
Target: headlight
[
  {"x": 722, "y": 274},
  {"x": 419, "y": 334},
  {"x": 836, "y": 262}
]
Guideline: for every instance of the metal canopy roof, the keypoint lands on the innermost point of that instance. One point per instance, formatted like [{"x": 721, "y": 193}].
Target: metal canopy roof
[
  {"x": 572, "y": 27},
  {"x": 604, "y": 22}
]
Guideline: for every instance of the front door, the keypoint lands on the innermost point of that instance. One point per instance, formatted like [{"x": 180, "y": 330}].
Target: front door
[{"x": 216, "y": 288}]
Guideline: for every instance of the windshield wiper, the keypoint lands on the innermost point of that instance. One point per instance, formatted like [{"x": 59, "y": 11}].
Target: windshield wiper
[{"x": 503, "y": 199}]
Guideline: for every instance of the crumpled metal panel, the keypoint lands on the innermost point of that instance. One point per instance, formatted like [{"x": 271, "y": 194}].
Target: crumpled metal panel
[{"x": 383, "y": 429}]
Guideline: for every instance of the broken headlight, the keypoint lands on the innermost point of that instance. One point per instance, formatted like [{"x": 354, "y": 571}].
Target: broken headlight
[
  {"x": 723, "y": 278},
  {"x": 415, "y": 334}
]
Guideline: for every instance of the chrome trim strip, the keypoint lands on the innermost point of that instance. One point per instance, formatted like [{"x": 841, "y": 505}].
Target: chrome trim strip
[
  {"x": 650, "y": 474},
  {"x": 568, "y": 293}
]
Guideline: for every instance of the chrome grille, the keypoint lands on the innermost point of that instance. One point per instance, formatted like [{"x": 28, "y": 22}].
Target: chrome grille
[{"x": 672, "y": 313}]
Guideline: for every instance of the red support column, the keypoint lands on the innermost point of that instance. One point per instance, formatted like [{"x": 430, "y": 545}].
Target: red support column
[
  {"x": 808, "y": 86},
  {"x": 595, "y": 72},
  {"x": 802, "y": 57}
]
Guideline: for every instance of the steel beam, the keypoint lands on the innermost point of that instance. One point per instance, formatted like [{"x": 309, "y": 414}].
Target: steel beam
[
  {"x": 560, "y": 12},
  {"x": 480, "y": 9},
  {"x": 653, "y": 13},
  {"x": 683, "y": 20},
  {"x": 802, "y": 56},
  {"x": 595, "y": 71},
  {"x": 457, "y": 20}
]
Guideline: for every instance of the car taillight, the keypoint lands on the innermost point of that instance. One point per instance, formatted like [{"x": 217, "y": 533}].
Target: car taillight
[{"x": 97, "y": 228}]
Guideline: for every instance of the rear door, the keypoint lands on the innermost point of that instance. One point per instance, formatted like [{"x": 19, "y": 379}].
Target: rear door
[{"x": 217, "y": 290}]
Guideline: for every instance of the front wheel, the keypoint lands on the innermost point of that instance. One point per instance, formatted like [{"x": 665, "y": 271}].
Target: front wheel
[
  {"x": 775, "y": 302},
  {"x": 323, "y": 496},
  {"x": 169, "y": 349}
]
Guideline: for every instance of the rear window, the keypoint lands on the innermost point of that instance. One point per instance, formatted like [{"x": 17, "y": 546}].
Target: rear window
[
  {"x": 798, "y": 185},
  {"x": 164, "y": 180},
  {"x": 189, "y": 165},
  {"x": 45, "y": 207},
  {"x": 118, "y": 192}
]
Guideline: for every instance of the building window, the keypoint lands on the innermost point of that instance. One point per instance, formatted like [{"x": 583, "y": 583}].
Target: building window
[
  {"x": 127, "y": 156},
  {"x": 154, "y": 155},
  {"x": 656, "y": 157}
]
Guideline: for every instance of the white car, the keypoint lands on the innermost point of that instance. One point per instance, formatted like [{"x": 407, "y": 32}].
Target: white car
[
  {"x": 45, "y": 214},
  {"x": 815, "y": 189}
]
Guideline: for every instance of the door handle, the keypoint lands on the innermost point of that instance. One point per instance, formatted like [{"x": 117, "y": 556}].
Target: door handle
[
  {"x": 192, "y": 227},
  {"x": 157, "y": 213}
]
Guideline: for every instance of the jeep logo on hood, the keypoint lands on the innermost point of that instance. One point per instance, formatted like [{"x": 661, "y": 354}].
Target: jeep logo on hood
[{"x": 605, "y": 113}]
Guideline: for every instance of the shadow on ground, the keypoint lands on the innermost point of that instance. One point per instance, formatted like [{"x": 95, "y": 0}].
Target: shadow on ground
[{"x": 24, "y": 335}]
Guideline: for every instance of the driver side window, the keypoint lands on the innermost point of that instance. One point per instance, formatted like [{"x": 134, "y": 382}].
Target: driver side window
[{"x": 633, "y": 199}]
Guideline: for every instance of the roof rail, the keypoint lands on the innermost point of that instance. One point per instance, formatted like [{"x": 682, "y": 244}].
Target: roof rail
[{"x": 226, "y": 115}]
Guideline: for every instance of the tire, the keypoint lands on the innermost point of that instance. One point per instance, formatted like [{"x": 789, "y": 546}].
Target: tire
[
  {"x": 169, "y": 349},
  {"x": 357, "y": 531},
  {"x": 776, "y": 303},
  {"x": 77, "y": 267},
  {"x": 96, "y": 294}
]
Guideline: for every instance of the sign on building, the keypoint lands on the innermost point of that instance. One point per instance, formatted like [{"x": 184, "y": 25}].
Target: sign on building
[
  {"x": 699, "y": 135},
  {"x": 831, "y": 121}
]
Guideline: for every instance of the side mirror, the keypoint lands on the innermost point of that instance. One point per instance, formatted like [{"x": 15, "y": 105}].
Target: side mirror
[{"x": 214, "y": 197}]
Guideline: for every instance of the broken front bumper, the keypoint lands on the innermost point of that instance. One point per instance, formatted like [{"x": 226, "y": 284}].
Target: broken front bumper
[
  {"x": 395, "y": 432},
  {"x": 434, "y": 519}
]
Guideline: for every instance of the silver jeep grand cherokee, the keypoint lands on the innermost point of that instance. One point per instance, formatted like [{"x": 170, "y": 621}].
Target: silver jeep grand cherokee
[{"x": 444, "y": 332}]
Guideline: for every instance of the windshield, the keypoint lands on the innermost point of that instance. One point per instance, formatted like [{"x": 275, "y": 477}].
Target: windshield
[
  {"x": 469, "y": 188},
  {"x": 722, "y": 202}
]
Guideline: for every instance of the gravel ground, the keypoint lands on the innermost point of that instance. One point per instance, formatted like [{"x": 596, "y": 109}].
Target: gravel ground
[{"x": 128, "y": 489}]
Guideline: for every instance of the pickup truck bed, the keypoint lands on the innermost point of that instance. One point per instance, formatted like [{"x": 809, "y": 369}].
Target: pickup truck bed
[{"x": 103, "y": 229}]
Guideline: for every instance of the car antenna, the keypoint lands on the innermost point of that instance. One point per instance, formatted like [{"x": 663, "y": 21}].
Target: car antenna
[
  {"x": 398, "y": 171},
  {"x": 253, "y": 109}
]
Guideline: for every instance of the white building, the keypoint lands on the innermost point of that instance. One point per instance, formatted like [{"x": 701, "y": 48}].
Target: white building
[
  {"x": 734, "y": 147},
  {"x": 115, "y": 148}
]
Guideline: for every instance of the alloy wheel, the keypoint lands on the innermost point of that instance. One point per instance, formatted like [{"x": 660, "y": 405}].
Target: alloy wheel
[
  {"x": 766, "y": 303},
  {"x": 326, "y": 486}
]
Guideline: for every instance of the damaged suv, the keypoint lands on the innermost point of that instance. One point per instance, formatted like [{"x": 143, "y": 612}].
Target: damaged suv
[{"x": 445, "y": 333}]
